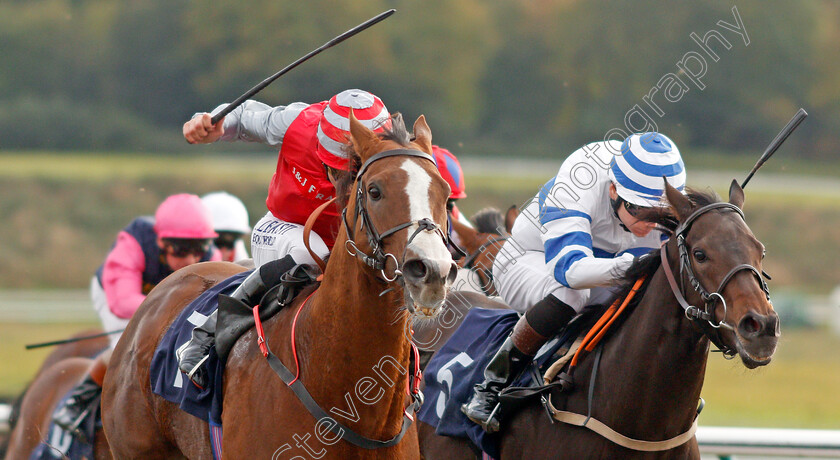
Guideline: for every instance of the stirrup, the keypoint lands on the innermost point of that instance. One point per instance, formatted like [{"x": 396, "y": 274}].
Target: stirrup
[{"x": 196, "y": 368}]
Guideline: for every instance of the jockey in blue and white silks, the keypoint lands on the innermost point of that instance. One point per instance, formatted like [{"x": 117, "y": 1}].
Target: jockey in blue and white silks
[
  {"x": 573, "y": 240},
  {"x": 569, "y": 239}
]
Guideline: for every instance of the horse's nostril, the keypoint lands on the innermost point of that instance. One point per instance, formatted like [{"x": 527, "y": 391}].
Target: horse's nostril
[
  {"x": 414, "y": 269},
  {"x": 453, "y": 273},
  {"x": 749, "y": 325}
]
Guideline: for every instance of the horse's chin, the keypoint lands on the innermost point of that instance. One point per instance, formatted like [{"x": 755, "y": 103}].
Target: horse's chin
[
  {"x": 753, "y": 354},
  {"x": 428, "y": 306}
]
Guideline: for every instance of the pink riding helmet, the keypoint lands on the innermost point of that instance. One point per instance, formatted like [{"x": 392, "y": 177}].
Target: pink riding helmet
[{"x": 184, "y": 216}]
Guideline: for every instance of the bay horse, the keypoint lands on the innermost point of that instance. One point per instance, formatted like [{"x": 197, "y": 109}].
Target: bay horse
[
  {"x": 38, "y": 404},
  {"x": 650, "y": 372},
  {"x": 481, "y": 244},
  {"x": 346, "y": 340}
]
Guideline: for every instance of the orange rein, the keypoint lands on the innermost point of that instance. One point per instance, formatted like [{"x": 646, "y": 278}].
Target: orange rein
[
  {"x": 307, "y": 229},
  {"x": 600, "y": 328}
]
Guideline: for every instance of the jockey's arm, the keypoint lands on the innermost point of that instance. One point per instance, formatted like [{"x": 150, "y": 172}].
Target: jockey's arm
[
  {"x": 252, "y": 121},
  {"x": 569, "y": 255},
  {"x": 122, "y": 276}
]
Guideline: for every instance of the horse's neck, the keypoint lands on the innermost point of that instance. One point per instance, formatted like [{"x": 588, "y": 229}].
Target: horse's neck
[
  {"x": 352, "y": 344},
  {"x": 653, "y": 368}
]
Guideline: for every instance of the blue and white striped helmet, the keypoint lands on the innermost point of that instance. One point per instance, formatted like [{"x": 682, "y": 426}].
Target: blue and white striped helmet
[{"x": 637, "y": 172}]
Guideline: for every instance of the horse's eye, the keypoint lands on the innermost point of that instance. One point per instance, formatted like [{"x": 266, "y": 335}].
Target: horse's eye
[
  {"x": 373, "y": 192},
  {"x": 763, "y": 254},
  {"x": 699, "y": 255}
]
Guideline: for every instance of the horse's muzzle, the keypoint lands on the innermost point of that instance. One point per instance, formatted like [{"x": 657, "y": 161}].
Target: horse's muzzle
[
  {"x": 427, "y": 281},
  {"x": 757, "y": 337}
]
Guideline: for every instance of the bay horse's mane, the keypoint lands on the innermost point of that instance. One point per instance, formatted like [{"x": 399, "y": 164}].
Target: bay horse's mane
[
  {"x": 397, "y": 133},
  {"x": 488, "y": 220},
  {"x": 647, "y": 266}
]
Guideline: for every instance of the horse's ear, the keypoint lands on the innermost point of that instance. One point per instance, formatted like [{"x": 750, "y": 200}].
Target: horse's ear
[
  {"x": 679, "y": 202},
  {"x": 510, "y": 216},
  {"x": 736, "y": 194},
  {"x": 363, "y": 138},
  {"x": 422, "y": 134}
]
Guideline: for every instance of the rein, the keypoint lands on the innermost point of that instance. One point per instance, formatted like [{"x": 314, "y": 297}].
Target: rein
[{"x": 490, "y": 242}]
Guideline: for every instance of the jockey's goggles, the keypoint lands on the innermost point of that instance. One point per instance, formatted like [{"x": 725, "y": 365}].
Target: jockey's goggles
[
  {"x": 631, "y": 208},
  {"x": 183, "y": 247},
  {"x": 226, "y": 240}
]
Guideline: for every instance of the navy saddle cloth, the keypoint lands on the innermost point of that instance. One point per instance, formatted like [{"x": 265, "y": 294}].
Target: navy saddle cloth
[
  {"x": 459, "y": 365},
  {"x": 168, "y": 381}
]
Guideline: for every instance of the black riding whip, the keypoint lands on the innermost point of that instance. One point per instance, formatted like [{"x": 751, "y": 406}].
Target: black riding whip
[
  {"x": 376, "y": 19},
  {"x": 777, "y": 141},
  {"x": 74, "y": 339}
]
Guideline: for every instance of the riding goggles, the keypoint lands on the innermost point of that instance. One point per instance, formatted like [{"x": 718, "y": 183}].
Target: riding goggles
[{"x": 183, "y": 247}]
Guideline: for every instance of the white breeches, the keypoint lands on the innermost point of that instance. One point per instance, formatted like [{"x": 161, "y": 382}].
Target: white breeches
[
  {"x": 274, "y": 239},
  {"x": 110, "y": 321},
  {"x": 526, "y": 279}
]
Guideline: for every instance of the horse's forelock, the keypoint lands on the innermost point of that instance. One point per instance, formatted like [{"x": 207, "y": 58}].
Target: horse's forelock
[
  {"x": 664, "y": 216},
  {"x": 397, "y": 132}
]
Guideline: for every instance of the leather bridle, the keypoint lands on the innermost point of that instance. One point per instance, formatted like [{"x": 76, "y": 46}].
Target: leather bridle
[
  {"x": 379, "y": 258},
  {"x": 709, "y": 299}
]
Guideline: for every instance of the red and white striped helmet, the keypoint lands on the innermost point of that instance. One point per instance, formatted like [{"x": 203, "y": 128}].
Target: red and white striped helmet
[{"x": 334, "y": 128}]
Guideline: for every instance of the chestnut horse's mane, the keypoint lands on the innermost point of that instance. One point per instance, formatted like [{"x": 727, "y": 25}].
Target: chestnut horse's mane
[
  {"x": 647, "y": 266},
  {"x": 396, "y": 133}
]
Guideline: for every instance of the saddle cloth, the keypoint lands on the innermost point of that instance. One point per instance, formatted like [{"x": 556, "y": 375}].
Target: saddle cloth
[
  {"x": 459, "y": 365},
  {"x": 59, "y": 443},
  {"x": 168, "y": 381}
]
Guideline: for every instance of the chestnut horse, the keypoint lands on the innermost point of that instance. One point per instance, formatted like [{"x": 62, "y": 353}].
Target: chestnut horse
[
  {"x": 86, "y": 348},
  {"x": 481, "y": 244},
  {"x": 345, "y": 341},
  {"x": 37, "y": 405},
  {"x": 651, "y": 370}
]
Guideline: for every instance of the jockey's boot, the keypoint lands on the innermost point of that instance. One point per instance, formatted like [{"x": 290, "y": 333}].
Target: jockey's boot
[
  {"x": 193, "y": 354},
  {"x": 514, "y": 356},
  {"x": 77, "y": 405}
]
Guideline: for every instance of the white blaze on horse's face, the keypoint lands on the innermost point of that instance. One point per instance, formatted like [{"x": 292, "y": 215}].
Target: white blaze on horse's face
[{"x": 428, "y": 268}]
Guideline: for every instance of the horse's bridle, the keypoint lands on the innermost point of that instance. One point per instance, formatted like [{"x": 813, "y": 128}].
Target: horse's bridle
[
  {"x": 470, "y": 262},
  {"x": 710, "y": 299},
  {"x": 379, "y": 258}
]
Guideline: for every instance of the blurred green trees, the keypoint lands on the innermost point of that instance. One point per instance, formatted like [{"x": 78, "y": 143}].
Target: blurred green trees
[{"x": 537, "y": 77}]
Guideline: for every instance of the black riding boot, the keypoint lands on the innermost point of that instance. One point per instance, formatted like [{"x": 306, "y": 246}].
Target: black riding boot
[
  {"x": 77, "y": 405},
  {"x": 191, "y": 355},
  {"x": 513, "y": 357}
]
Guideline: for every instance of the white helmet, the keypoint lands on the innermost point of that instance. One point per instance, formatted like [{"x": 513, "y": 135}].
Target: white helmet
[
  {"x": 638, "y": 171},
  {"x": 229, "y": 214}
]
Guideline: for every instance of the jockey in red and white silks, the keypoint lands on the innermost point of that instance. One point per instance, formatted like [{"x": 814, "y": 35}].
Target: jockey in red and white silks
[
  {"x": 569, "y": 240},
  {"x": 308, "y": 136}
]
